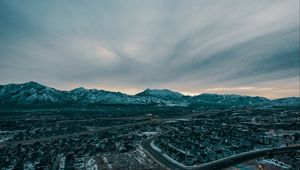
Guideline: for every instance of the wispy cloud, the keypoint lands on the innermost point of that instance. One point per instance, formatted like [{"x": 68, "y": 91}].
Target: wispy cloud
[{"x": 189, "y": 46}]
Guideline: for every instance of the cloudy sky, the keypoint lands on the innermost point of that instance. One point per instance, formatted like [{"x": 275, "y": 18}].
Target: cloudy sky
[{"x": 248, "y": 47}]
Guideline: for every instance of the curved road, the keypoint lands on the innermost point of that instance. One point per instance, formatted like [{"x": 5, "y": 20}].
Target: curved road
[
  {"x": 157, "y": 155},
  {"x": 217, "y": 164}
]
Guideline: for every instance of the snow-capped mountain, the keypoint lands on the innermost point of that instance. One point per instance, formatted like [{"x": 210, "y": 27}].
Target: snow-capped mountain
[
  {"x": 30, "y": 93},
  {"x": 92, "y": 96},
  {"x": 33, "y": 94},
  {"x": 163, "y": 97},
  {"x": 164, "y": 94},
  {"x": 234, "y": 100}
]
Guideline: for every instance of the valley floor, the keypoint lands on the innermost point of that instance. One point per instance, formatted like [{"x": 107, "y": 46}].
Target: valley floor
[{"x": 149, "y": 138}]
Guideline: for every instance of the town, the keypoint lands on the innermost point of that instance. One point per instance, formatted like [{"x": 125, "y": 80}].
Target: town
[{"x": 187, "y": 139}]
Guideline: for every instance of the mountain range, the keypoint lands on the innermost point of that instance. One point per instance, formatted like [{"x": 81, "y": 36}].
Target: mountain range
[{"x": 34, "y": 94}]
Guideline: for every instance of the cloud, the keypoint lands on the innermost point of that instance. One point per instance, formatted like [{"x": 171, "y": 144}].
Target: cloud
[{"x": 187, "y": 46}]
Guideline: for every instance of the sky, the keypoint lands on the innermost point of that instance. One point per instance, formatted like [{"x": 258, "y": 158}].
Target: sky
[{"x": 248, "y": 47}]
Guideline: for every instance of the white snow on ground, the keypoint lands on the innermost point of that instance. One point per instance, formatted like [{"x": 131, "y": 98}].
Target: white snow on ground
[
  {"x": 142, "y": 153},
  {"x": 150, "y": 133},
  {"x": 171, "y": 121},
  {"x": 154, "y": 147},
  {"x": 182, "y": 151},
  {"x": 140, "y": 160},
  {"x": 276, "y": 163},
  {"x": 62, "y": 163},
  {"x": 108, "y": 164},
  {"x": 2, "y": 140},
  {"x": 166, "y": 156},
  {"x": 173, "y": 161},
  {"x": 91, "y": 165},
  {"x": 182, "y": 119}
]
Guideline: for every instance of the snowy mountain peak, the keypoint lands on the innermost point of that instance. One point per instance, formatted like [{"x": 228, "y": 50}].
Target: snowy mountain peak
[
  {"x": 79, "y": 90},
  {"x": 32, "y": 93},
  {"x": 161, "y": 93}
]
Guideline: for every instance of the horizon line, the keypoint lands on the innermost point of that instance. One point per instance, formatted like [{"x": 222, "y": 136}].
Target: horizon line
[{"x": 133, "y": 94}]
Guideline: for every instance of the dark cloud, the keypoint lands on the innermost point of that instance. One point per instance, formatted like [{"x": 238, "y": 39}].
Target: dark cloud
[{"x": 188, "y": 46}]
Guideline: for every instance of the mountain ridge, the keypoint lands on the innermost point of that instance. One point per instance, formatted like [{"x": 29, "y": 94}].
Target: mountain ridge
[{"x": 33, "y": 93}]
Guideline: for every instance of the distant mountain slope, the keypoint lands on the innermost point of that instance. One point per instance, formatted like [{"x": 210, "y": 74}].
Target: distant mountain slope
[
  {"x": 82, "y": 95},
  {"x": 32, "y": 94},
  {"x": 163, "y": 97},
  {"x": 290, "y": 101},
  {"x": 234, "y": 100},
  {"x": 164, "y": 94}
]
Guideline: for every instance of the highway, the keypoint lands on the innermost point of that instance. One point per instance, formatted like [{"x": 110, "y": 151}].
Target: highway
[
  {"x": 101, "y": 129},
  {"x": 157, "y": 156},
  {"x": 217, "y": 164}
]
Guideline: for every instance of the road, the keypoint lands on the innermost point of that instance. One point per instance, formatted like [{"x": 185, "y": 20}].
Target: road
[
  {"x": 157, "y": 156},
  {"x": 217, "y": 164},
  {"x": 101, "y": 129}
]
